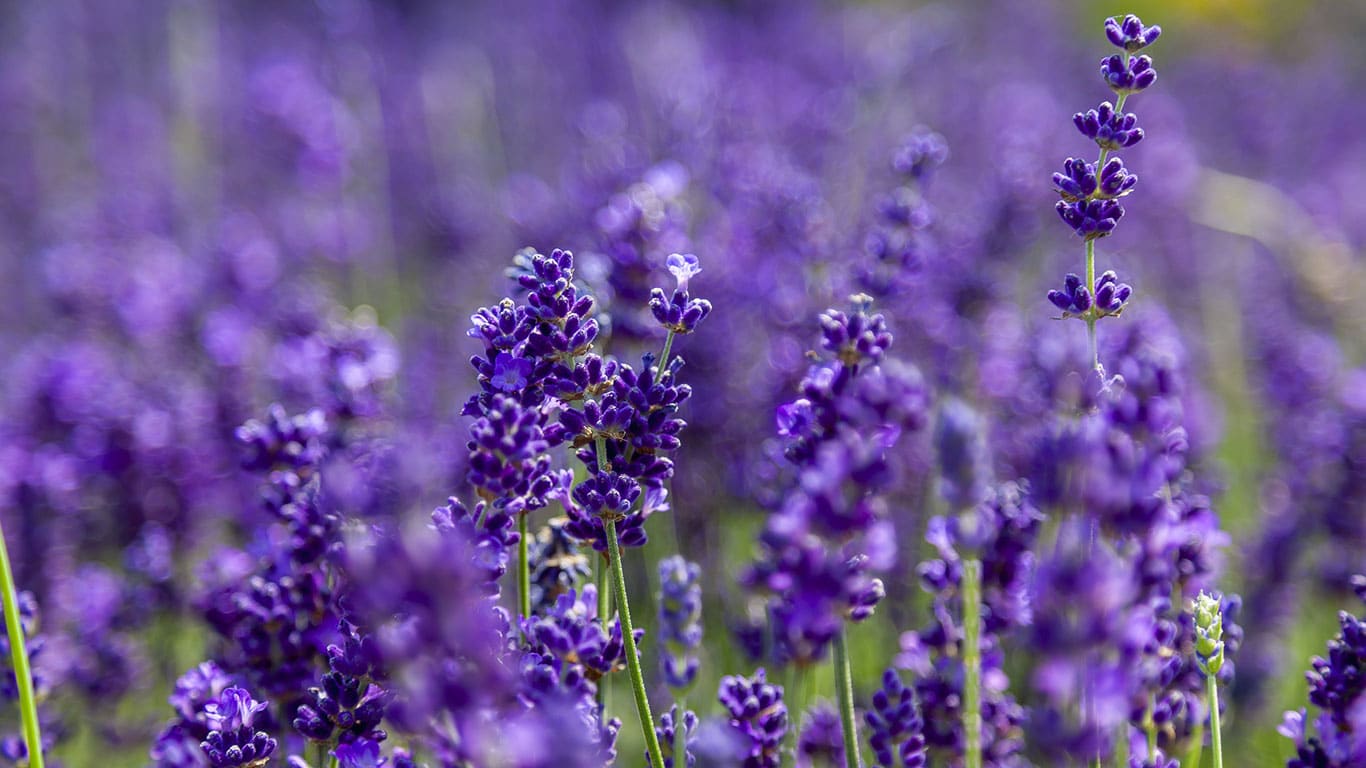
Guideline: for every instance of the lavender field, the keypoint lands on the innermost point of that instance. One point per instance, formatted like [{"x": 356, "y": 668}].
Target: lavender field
[{"x": 751, "y": 384}]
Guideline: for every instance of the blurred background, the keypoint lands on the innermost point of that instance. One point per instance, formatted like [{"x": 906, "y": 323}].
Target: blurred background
[{"x": 209, "y": 207}]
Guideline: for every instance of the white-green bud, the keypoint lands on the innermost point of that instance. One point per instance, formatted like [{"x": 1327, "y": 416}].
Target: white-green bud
[{"x": 1209, "y": 634}]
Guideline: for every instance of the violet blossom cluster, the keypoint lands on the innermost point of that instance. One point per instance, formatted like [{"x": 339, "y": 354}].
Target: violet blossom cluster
[
  {"x": 1090, "y": 192},
  {"x": 1337, "y": 689},
  {"x": 179, "y": 252},
  {"x": 821, "y": 550},
  {"x": 1000, "y": 531},
  {"x": 1139, "y": 539}
]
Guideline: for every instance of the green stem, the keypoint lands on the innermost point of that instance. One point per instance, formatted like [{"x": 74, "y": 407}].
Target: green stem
[
  {"x": 1150, "y": 728},
  {"x": 28, "y": 701},
  {"x": 647, "y": 720},
  {"x": 523, "y": 569},
  {"x": 1197, "y": 751},
  {"x": 1090, "y": 317},
  {"x": 680, "y": 745},
  {"x": 972, "y": 663},
  {"x": 664, "y": 356},
  {"x": 844, "y": 693},
  {"x": 1122, "y": 746},
  {"x": 602, "y": 574},
  {"x": 633, "y": 659},
  {"x": 1216, "y": 740},
  {"x": 1091, "y": 249},
  {"x": 604, "y": 583}
]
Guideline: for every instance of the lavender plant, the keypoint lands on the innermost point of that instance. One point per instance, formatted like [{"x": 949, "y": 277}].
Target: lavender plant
[
  {"x": 1337, "y": 687},
  {"x": 214, "y": 214},
  {"x": 1091, "y": 192}
]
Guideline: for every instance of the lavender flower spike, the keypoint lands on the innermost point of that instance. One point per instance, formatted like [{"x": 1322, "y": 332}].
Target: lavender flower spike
[
  {"x": 758, "y": 714},
  {"x": 680, "y": 613},
  {"x": 1337, "y": 687},
  {"x": 1209, "y": 655},
  {"x": 679, "y": 313},
  {"x": 896, "y": 731},
  {"x": 234, "y": 742},
  {"x": 1090, "y": 192}
]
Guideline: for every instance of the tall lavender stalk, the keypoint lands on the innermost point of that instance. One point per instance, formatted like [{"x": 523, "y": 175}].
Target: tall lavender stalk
[
  {"x": 28, "y": 702},
  {"x": 1209, "y": 655},
  {"x": 1090, "y": 193}
]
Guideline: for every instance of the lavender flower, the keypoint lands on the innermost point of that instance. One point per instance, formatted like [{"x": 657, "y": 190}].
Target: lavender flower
[
  {"x": 233, "y": 740},
  {"x": 1000, "y": 530},
  {"x": 758, "y": 715},
  {"x": 359, "y": 754},
  {"x": 894, "y": 725},
  {"x": 671, "y": 739},
  {"x": 572, "y": 632},
  {"x": 346, "y": 705},
  {"x": 1089, "y": 203},
  {"x": 557, "y": 565},
  {"x": 1079, "y": 180},
  {"x": 1091, "y": 219},
  {"x": 820, "y": 744},
  {"x": 1075, "y": 300},
  {"x": 680, "y": 613},
  {"x": 822, "y": 546},
  {"x": 1108, "y": 128},
  {"x": 1130, "y": 34},
  {"x": 680, "y": 313},
  {"x": 1337, "y": 687},
  {"x": 1127, "y": 75},
  {"x": 604, "y": 496},
  {"x": 961, "y": 450}
]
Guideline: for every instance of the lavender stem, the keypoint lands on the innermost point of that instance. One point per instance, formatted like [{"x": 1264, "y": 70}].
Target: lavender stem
[
  {"x": 1216, "y": 740},
  {"x": 647, "y": 720},
  {"x": 844, "y": 692},
  {"x": 972, "y": 662},
  {"x": 28, "y": 703},
  {"x": 523, "y": 569}
]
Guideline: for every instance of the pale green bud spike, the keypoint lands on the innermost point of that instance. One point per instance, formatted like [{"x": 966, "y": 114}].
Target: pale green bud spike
[{"x": 1209, "y": 634}]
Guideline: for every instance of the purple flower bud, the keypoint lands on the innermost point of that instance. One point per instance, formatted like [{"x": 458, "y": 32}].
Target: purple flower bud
[
  {"x": 1108, "y": 298},
  {"x": 1115, "y": 179},
  {"x": 1090, "y": 219},
  {"x": 1129, "y": 77},
  {"x": 758, "y": 714},
  {"x": 1108, "y": 128},
  {"x": 1077, "y": 181},
  {"x": 1130, "y": 34}
]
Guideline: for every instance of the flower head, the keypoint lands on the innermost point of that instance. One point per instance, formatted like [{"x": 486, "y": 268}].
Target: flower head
[
  {"x": 895, "y": 729},
  {"x": 510, "y": 373},
  {"x": 361, "y": 753},
  {"x": 1126, "y": 75},
  {"x": 1108, "y": 128},
  {"x": 680, "y": 613},
  {"x": 758, "y": 714},
  {"x": 1091, "y": 219},
  {"x": 1209, "y": 634},
  {"x": 683, "y": 266},
  {"x": 233, "y": 742},
  {"x": 1130, "y": 34},
  {"x": 1075, "y": 300}
]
